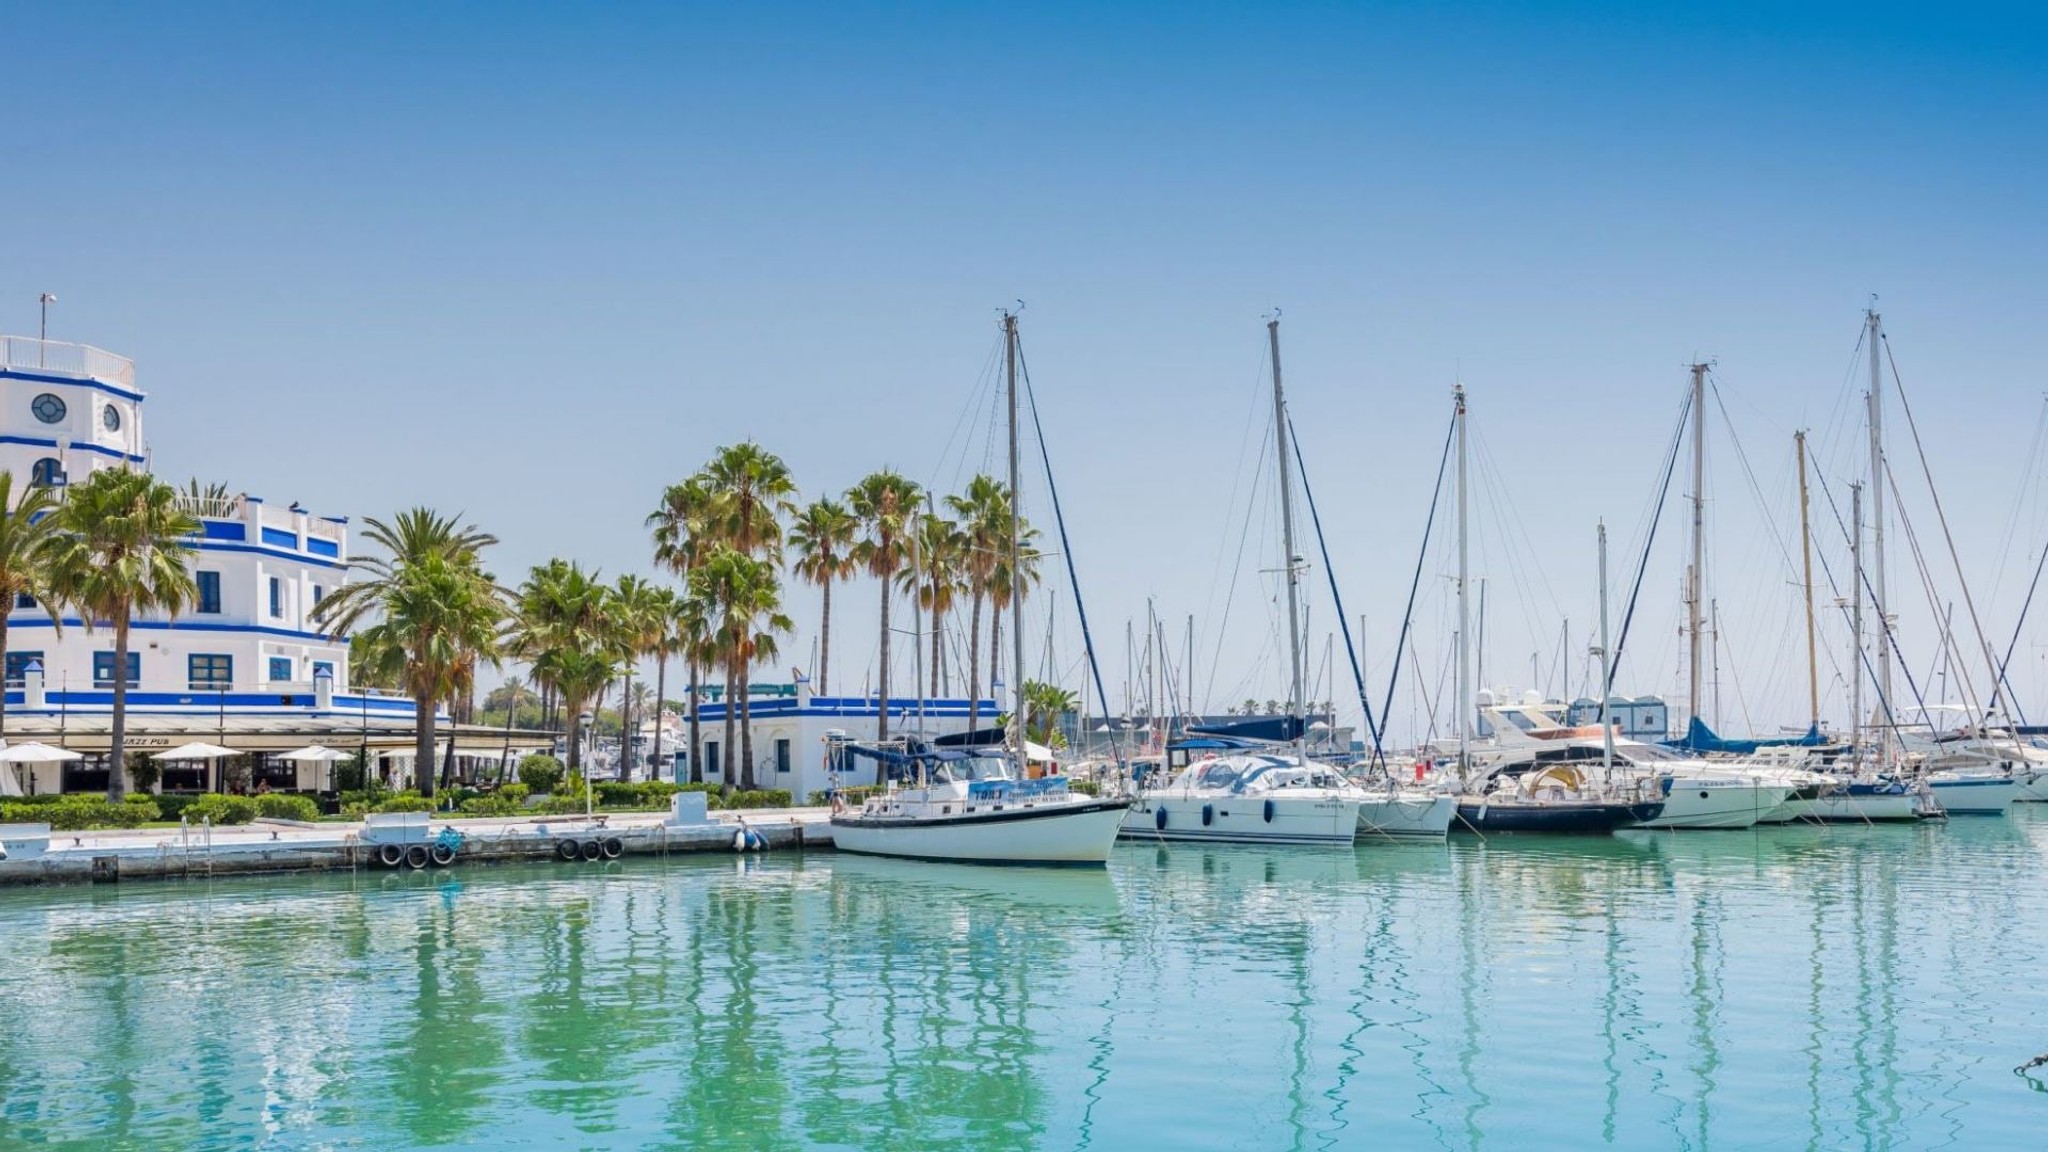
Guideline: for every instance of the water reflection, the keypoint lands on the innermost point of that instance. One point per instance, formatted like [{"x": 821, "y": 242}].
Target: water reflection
[{"x": 1814, "y": 987}]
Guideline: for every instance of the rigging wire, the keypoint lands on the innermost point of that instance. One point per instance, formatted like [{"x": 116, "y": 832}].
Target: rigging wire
[
  {"x": 1343, "y": 618},
  {"x": 1643, "y": 563},
  {"x": 1408, "y": 613}
]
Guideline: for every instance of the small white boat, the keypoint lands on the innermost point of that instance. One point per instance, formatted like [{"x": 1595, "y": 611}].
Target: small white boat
[
  {"x": 1249, "y": 799},
  {"x": 1974, "y": 791},
  {"x": 1405, "y": 814},
  {"x": 969, "y": 809}
]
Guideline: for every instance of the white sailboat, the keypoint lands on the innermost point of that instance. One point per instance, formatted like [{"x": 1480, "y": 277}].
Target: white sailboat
[{"x": 984, "y": 809}]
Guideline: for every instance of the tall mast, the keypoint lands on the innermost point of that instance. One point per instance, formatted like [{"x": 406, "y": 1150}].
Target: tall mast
[
  {"x": 1806, "y": 562},
  {"x": 1293, "y": 571},
  {"x": 1463, "y": 707},
  {"x": 1856, "y": 619},
  {"x": 1606, "y": 722},
  {"x": 1699, "y": 515},
  {"x": 1877, "y": 484},
  {"x": 1019, "y": 709}
]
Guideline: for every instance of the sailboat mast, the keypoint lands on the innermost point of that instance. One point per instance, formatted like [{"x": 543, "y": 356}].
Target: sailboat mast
[
  {"x": 1806, "y": 561},
  {"x": 1019, "y": 709},
  {"x": 1292, "y": 564},
  {"x": 1463, "y": 707},
  {"x": 1606, "y": 723},
  {"x": 1877, "y": 485},
  {"x": 1699, "y": 515},
  {"x": 1856, "y": 619}
]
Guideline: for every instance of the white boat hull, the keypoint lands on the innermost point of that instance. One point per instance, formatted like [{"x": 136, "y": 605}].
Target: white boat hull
[
  {"x": 1076, "y": 833},
  {"x": 2033, "y": 788},
  {"x": 1242, "y": 819},
  {"x": 1692, "y": 805},
  {"x": 1975, "y": 795},
  {"x": 1407, "y": 816}
]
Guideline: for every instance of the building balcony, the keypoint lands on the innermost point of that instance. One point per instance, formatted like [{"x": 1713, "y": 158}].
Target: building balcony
[{"x": 56, "y": 358}]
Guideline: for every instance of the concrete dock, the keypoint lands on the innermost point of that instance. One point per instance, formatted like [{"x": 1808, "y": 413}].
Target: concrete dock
[{"x": 37, "y": 855}]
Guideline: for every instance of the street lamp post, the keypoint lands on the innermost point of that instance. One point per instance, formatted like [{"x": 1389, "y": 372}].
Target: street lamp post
[
  {"x": 43, "y": 332},
  {"x": 588, "y": 746}
]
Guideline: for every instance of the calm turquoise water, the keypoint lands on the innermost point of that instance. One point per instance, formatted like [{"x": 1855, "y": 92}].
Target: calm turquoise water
[{"x": 1787, "y": 988}]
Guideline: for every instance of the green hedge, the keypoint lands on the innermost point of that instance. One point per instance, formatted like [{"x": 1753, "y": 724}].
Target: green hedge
[
  {"x": 540, "y": 772},
  {"x": 490, "y": 806},
  {"x": 854, "y": 796},
  {"x": 285, "y": 806},
  {"x": 516, "y": 793},
  {"x": 759, "y": 798},
  {"x": 649, "y": 795},
  {"x": 1084, "y": 787},
  {"x": 77, "y": 813},
  {"x": 406, "y": 801},
  {"x": 221, "y": 809}
]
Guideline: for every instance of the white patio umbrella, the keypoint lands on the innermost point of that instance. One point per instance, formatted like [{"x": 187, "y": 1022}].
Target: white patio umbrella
[
  {"x": 318, "y": 754},
  {"x": 197, "y": 750},
  {"x": 28, "y": 752}
]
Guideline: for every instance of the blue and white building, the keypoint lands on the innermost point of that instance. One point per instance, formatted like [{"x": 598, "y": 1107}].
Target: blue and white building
[
  {"x": 246, "y": 667},
  {"x": 793, "y": 731}
]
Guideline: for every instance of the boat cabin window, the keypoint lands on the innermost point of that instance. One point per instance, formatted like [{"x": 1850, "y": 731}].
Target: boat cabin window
[{"x": 970, "y": 769}]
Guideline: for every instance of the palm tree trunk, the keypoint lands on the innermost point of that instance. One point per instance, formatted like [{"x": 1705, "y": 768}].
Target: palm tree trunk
[
  {"x": 995, "y": 650},
  {"x": 882, "y": 700},
  {"x": 728, "y": 753},
  {"x": 746, "y": 705},
  {"x": 974, "y": 666},
  {"x": 422, "y": 742},
  {"x": 660, "y": 708},
  {"x": 117, "y": 748},
  {"x": 570, "y": 711},
  {"x": 626, "y": 729},
  {"x": 696, "y": 738},
  {"x": 824, "y": 641},
  {"x": 936, "y": 633}
]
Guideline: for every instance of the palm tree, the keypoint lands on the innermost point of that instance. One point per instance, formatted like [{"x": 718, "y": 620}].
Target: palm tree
[
  {"x": 667, "y": 642},
  {"x": 746, "y": 603},
  {"x": 637, "y": 610},
  {"x": 681, "y": 527},
  {"x": 1001, "y": 586},
  {"x": 421, "y": 643},
  {"x": 28, "y": 545},
  {"x": 984, "y": 529},
  {"x": 567, "y": 628},
  {"x": 123, "y": 539},
  {"x": 695, "y": 641},
  {"x": 935, "y": 575},
  {"x": 752, "y": 492},
  {"x": 824, "y": 534},
  {"x": 885, "y": 502},
  {"x": 1047, "y": 703}
]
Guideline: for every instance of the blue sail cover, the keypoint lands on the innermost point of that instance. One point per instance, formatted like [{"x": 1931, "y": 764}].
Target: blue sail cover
[
  {"x": 1700, "y": 738},
  {"x": 1277, "y": 729}
]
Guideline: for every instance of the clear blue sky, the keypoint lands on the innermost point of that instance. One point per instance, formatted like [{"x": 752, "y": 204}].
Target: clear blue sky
[{"x": 532, "y": 264}]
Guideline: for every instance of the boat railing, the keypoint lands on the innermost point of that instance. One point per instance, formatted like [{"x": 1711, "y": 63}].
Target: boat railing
[{"x": 30, "y": 354}]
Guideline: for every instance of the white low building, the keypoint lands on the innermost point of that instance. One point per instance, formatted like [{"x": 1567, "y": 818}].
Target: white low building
[{"x": 791, "y": 734}]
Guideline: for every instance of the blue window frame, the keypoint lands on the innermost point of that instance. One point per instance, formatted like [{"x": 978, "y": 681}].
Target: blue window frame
[
  {"x": 209, "y": 591},
  {"x": 319, "y": 594},
  {"x": 280, "y": 667},
  {"x": 103, "y": 669},
  {"x": 17, "y": 666},
  {"x": 320, "y": 666},
  {"x": 276, "y": 596},
  {"x": 781, "y": 756},
  {"x": 210, "y": 671},
  {"x": 46, "y": 473},
  {"x": 24, "y": 600}
]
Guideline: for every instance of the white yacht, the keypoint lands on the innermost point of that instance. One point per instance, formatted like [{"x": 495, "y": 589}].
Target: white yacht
[
  {"x": 1386, "y": 811},
  {"x": 1249, "y": 798},
  {"x": 968, "y": 807}
]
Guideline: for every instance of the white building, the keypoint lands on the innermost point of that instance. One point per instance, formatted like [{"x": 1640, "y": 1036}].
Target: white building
[
  {"x": 247, "y": 663},
  {"x": 790, "y": 734}
]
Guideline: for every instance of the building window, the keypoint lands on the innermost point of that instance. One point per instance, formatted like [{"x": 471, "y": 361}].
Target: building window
[
  {"x": 323, "y": 668},
  {"x": 103, "y": 669},
  {"x": 276, "y": 596},
  {"x": 110, "y": 418},
  {"x": 210, "y": 671},
  {"x": 209, "y": 591},
  {"x": 782, "y": 756},
  {"x": 17, "y": 666},
  {"x": 711, "y": 760},
  {"x": 24, "y": 600},
  {"x": 280, "y": 667},
  {"x": 46, "y": 473},
  {"x": 49, "y": 407},
  {"x": 319, "y": 594}
]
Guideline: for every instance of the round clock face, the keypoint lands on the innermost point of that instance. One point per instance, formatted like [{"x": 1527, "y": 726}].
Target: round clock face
[
  {"x": 49, "y": 407},
  {"x": 111, "y": 417}
]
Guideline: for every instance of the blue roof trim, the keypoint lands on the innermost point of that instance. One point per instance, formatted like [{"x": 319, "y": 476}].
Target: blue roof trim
[
  {"x": 75, "y": 381},
  {"x": 280, "y": 538},
  {"x": 266, "y": 550},
  {"x": 223, "y": 530},
  {"x": 188, "y": 625},
  {"x": 81, "y": 445},
  {"x": 323, "y": 547}
]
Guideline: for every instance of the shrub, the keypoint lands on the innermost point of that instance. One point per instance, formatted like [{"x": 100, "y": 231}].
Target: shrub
[
  {"x": 559, "y": 805},
  {"x": 284, "y": 806},
  {"x": 355, "y": 811},
  {"x": 516, "y": 793},
  {"x": 617, "y": 794},
  {"x": 759, "y": 798},
  {"x": 657, "y": 792},
  {"x": 78, "y": 813},
  {"x": 406, "y": 801},
  {"x": 221, "y": 809},
  {"x": 1084, "y": 787},
  {"x": 540, "y": 772},
  {"x": 489, "y": 806},
  {"x": 172, "y": 805}
]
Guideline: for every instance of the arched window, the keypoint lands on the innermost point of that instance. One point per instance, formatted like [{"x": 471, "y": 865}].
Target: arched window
[{"x": 47, "y": 473}]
